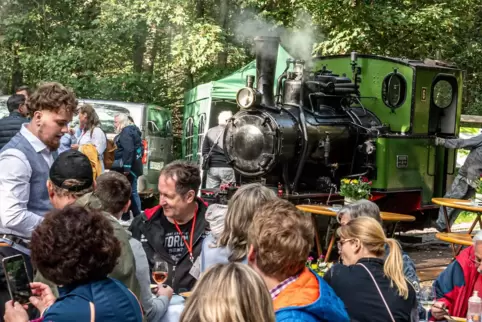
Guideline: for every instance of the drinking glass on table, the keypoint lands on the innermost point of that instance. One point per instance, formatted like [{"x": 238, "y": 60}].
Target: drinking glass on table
[
  {"x": 160, "y": 271},
  {"x": 427, "y": 298}
]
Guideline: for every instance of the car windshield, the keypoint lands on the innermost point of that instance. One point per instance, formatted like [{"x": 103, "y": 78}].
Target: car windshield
[{"x": 106, "y": 115}]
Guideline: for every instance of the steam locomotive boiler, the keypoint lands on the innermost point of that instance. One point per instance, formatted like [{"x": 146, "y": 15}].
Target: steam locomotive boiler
[{"x": 305, "y": 132}]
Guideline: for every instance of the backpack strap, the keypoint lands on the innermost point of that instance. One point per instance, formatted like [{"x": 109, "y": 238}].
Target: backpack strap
[{"x": 379, "y": 291}]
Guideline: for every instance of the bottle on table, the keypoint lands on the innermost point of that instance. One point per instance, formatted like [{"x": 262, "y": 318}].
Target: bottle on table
[{"x": 474, "y": 309}]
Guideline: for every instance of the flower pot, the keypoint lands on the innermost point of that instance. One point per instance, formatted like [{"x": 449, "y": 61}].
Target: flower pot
[{"x": 349, "y": 200}]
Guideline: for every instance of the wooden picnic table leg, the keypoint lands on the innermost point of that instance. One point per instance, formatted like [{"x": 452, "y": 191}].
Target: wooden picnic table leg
[
  {"x": 317, "y": 236},
  {"x": 447, "y": 221},
  {"x": 449, "y": 230},
  {"x": 330, "y": 247}
]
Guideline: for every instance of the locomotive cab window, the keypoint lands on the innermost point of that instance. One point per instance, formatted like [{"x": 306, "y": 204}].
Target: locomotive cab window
[
  {"x": 443, "y": 105},
  {"x": 443, "y": 94},
  {"x": 394, "y": 90},
  {"x": 189, "y": 137}
]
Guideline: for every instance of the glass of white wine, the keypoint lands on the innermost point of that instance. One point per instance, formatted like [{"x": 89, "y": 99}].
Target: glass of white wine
[{"x": 427, "y": 298}]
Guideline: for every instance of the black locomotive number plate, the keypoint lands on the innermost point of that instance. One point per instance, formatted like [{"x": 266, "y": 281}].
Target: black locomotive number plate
[{"x": 402, "y": 161}]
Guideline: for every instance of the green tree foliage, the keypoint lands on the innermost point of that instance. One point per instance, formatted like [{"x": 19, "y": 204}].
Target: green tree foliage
[{"x": 155, "y": 50}]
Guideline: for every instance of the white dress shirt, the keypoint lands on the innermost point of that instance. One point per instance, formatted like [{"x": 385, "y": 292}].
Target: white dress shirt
[{"x": 15, "y": 174}]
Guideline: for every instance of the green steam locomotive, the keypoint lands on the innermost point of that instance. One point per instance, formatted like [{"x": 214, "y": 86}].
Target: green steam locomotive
[{"x": 308, "y": 125}]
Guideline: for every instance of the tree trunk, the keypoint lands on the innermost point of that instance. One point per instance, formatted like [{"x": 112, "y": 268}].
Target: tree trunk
[
  {"x": 17, "y": 72},
  {"x": 153, "y": 54},
  {"x": 199, "y": 8},
  {"x": 139, "y": 46},
  {"x": 222, "y": 22}
]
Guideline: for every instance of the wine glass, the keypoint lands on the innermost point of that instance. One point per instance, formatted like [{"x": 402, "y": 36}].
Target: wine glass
[
  {"x": 427, "y": 299},
  {"x": 160, "y": 271}
]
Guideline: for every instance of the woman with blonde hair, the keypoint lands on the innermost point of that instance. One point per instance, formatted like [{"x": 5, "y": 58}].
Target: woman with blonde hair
[
  {"x": 228, "y": 239},
  {"x": 372, "y": 288},
  {"x": 229, "y": 293}
]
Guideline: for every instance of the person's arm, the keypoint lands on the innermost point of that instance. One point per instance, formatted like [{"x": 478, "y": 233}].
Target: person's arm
[
  {"x": 463, "y": 143},
  {"x": 154, "y": 307},
  {"x": 410, "y": 273},
  {"x": 447, "y": 287},
  {"x": 15, "y": 194},
  {"x": 99, "y": 140},
  {"x": 206, "y": 144},
  {"x": 126, "y": 140}
]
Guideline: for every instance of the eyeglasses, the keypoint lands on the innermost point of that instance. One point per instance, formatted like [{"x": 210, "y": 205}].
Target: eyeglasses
[{"x": 340, "y": 243}]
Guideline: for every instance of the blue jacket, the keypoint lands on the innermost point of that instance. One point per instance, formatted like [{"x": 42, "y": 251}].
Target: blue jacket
[
  {"x": 326, "y": 308},
  {"x": 113, "y": 302}
]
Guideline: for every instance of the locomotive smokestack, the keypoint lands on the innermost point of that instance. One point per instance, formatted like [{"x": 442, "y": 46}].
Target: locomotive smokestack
[{"x": 266, "y": 56}]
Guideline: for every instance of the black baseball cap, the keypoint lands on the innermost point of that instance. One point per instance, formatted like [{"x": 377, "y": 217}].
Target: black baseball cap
[{"x": 75, "y": 165}]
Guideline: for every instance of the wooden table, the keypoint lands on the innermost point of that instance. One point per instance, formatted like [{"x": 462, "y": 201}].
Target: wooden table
[
  {"x": 459, "y": 204},
  {"x": 455, "y": 238},
  {"x": 328, "y": 211}
]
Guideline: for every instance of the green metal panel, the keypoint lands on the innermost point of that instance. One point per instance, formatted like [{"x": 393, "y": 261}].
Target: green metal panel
[
  {"x": 373, "y": 72},
  {"x": 419, "y": 171}
]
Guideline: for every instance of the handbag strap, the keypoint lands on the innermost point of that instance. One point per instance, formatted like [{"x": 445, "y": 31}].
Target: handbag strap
[
  {"x": 92, "y": 312},
  {"x": 215, "y": 143},
  {"x": 379, "y": 291}
]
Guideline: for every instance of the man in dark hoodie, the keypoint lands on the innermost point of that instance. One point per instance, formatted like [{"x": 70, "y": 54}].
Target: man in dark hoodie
[
  {"x": 128, "y": 157},
  {"x": 175, "y": 229}
]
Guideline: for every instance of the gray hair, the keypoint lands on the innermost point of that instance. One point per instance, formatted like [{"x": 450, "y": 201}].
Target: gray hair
[
  {"x": 477, "y": 237},
  {"x": 360, "y": 208},
  {"x": 123, "y": 119},
  {"x": 224, "y": 116}
]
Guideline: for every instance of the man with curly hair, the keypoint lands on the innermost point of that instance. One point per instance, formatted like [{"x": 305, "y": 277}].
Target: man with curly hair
[{"x": 25, "y": 160}]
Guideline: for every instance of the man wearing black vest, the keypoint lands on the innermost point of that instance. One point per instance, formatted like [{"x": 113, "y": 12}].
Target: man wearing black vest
[{"x": 10, "y": 125}]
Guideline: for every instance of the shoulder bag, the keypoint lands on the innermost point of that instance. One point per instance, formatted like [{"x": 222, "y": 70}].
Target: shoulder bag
[{"x": 205, "y": 164}]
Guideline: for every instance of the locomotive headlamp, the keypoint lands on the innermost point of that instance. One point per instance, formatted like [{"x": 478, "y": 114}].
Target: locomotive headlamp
[{"x": 247, "y": 97}]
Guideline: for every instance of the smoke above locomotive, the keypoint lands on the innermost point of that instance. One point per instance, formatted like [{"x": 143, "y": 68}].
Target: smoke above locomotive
[{"x": 306, "y": 131}]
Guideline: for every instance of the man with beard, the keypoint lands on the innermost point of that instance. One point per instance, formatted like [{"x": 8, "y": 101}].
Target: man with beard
[
  {"x": 24, "y": 170},
  {"x": 25, "y": 161}
]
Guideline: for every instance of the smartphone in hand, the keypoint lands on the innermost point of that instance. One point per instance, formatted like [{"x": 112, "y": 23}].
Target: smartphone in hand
[{"x": 18, "y": 281}]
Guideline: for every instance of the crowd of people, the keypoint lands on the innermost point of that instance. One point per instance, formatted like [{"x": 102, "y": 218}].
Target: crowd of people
[{"x": 63, "y": 211}]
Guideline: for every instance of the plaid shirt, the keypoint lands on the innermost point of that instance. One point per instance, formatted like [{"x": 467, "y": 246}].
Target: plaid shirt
[{"x": 281, "y": 286}]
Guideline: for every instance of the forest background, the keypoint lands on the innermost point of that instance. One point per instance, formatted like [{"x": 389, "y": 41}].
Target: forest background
[{"x": 156, "y": 50}]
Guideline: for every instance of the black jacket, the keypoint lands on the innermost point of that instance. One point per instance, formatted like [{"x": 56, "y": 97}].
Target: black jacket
[
  {"x": 217, "y": 158},
  {"x": 9, "y": 126},
  {"x": 356, "y": 289},
  {"x": 129, "y": 149},
  {"x": 148, "y": 230}
]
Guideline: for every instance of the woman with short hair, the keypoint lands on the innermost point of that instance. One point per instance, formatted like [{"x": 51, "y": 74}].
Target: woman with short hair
[
  {"x": 372, "y": 288},
  {"x": 228, "y": 243},
  {"x": 76, "y": 248},
  {"x": 229, "y": 293}
]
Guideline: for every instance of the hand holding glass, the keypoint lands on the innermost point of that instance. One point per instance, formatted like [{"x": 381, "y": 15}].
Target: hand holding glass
[
  {"x": 427, "y": 298},
  {"x": 160, "y": 271}
]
